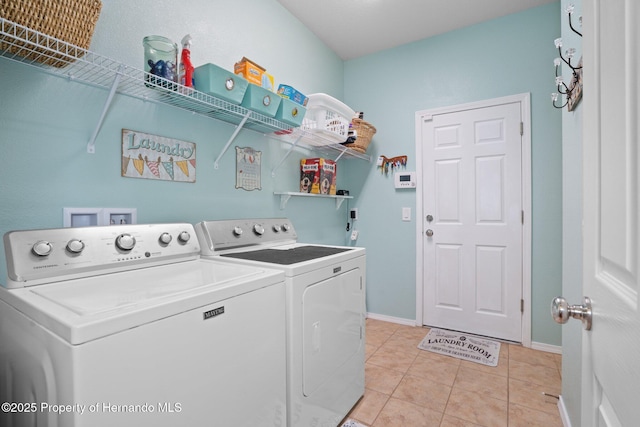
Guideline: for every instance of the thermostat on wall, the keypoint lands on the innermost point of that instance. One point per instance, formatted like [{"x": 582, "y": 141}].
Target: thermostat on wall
[{"x": 405, "y": 179}]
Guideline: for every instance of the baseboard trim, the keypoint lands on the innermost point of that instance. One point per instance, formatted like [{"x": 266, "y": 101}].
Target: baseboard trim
[
  {"x": 564, "y": 415},
  {"x": 546, "y": 347},
  {"x": 399, "y": 320}
]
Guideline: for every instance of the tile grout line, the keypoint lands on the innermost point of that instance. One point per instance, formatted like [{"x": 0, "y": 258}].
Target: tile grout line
[{"x": 450, "y": 393}]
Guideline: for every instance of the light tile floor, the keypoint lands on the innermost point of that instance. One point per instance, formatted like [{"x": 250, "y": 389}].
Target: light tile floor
[{"x": 409, "y": 387}]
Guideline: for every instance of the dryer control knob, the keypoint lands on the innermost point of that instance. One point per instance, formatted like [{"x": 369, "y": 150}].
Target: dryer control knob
[
  {"x": 286, "y": 227},
  {"x": 75, "y": 246},
  {"x": 42, "y": 248},
  {"x": 184, "y": 237},
  {"x": 125, "y": 241},
  {"x": 165, "y": 238},
  {"x": 258, "y": 229},
  {"x": 237, "y": 231},
  {"x": 277, "y": 228}
]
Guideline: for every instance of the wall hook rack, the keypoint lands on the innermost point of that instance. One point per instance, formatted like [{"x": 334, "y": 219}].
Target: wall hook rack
[
  {"x": 572, "y": 91},
  {"x": 394, "y": 162}
]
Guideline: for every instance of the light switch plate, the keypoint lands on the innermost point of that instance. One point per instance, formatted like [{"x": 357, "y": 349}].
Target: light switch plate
[{"x": 406, "y": 214}]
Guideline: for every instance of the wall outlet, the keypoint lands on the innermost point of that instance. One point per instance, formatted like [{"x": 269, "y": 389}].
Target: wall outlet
[
  {"x": 353, "y": 214},
  {"x": 354, "y": 235}
]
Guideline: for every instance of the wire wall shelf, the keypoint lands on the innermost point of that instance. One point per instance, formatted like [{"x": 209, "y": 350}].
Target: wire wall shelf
[{"x": 52, "y": 56}]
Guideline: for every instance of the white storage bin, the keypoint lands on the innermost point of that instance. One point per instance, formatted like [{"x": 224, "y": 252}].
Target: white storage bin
[{"x": 328, "y": 117}]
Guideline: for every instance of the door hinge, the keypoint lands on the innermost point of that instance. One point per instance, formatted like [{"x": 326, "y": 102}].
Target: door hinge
[
  {"x": 522, "y": 217},
  {"x": 521, "y": 306},
  {"x": 521, "y": 128}
]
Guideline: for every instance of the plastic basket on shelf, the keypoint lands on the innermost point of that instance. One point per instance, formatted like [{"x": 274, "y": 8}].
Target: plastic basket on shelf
[
  {"x": 70, "y": 21},
  {"x": 365, "y": 132},
  {"x": 328, "y": 117}
]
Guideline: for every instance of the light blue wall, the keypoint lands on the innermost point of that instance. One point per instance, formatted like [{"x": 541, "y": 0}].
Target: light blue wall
[
  {"x": 572, "y": 229},
  {"x": 45, "y": 123},
  {"x": 505, "y": 56}
]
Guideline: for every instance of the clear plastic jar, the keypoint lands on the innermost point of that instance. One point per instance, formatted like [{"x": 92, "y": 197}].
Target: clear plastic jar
[{"x": 161, "y": 60}]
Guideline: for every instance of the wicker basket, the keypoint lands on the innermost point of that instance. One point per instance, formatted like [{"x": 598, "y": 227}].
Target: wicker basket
[
  {"x": 71, "y": 21},
  {"x": 365, "y": 131}
]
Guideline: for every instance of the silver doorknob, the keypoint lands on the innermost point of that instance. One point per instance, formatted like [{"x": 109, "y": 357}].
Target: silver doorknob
[
  {"x": 429, "y": 232},
  {"x": 562, "y": 311}
]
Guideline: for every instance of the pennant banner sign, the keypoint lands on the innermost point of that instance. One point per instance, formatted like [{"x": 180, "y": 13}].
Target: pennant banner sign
[{"x": 157, "y": 157}]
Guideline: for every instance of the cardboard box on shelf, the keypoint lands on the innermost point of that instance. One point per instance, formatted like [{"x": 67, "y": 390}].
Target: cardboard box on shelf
[
  {"x": 249, "y": 70},
  {"x": 318, "y": 176},
  {"x": 254, "y": 73},
  {"x": 289, "y": 92},
  {"x": 328, "y": 175}
]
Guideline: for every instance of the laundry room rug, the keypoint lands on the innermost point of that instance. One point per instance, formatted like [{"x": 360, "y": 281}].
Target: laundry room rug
[
  {"x": 352, "y": 423},
  {"x": 462, "y": 346}
]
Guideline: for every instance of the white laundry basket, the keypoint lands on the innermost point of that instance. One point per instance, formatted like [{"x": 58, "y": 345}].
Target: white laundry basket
[{"x": 327, "y": 117}]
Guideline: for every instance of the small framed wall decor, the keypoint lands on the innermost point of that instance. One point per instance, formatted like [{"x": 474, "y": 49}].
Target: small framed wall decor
[{"x": 248, "y": 168}]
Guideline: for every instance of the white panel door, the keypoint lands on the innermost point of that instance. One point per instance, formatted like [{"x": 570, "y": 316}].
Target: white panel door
[
  {"x": 611, "y": 185},
  {"x": 472, "y": 205}
]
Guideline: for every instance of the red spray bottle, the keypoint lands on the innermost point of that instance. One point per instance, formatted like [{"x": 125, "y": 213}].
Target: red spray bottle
[{"x": 186, "y": 67}]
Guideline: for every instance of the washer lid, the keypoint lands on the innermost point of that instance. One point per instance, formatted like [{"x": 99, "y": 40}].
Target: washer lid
[
  {"x": 84, "y": 309},
  {"x": 113, "y": 293}
]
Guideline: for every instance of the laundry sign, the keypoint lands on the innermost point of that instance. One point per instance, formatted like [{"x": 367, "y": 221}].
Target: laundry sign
[{"x": 157, "y": 157}]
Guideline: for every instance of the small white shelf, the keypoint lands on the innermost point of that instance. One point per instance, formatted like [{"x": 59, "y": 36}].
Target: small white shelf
[{"x": 285, "y": 196}]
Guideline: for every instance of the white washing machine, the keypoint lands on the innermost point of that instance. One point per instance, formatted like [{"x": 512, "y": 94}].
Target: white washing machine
[
  {"x": 128, "y": 326},
  {"x": 325, "y": 291}
]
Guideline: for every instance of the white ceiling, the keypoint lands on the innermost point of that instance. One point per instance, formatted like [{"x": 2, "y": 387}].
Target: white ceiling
[{"x": 353, "y": 28}]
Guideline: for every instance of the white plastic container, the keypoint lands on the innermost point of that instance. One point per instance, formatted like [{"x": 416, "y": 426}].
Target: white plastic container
[{"x": 328, "y": 117}]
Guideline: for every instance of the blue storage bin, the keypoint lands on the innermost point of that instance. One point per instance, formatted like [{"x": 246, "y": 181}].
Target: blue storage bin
[
  {"x": 261, "y": 100},
  {"x": 290, "y": 112},
  {"x": 218, "y": 82}
]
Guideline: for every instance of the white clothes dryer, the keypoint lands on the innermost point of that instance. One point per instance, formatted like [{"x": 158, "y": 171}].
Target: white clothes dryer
[
  {"x": 127, "y": 326},
  {"x": 325, "y": 295}
]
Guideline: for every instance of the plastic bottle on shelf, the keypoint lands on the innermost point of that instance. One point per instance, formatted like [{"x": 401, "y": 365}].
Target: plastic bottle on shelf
[{"x": 186, "y": 67}]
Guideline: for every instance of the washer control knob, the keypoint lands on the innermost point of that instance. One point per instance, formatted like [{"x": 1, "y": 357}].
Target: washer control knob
[
  {"x": 258, "y": 229},
  {"x": 237, "y": 231},
  {"x": 277, "y": 228},
  {"x": 125, "y": 241},
  {"x": 75, "y": 246},
  {"x": 184, "y": 237},
  {"x": 42, "y": 248},
  {"x": 286, "y": 227},
  {"x": 165, "y": 238}
]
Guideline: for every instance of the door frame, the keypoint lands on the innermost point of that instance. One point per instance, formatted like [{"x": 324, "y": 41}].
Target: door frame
[{"x": 525, "y": 107}]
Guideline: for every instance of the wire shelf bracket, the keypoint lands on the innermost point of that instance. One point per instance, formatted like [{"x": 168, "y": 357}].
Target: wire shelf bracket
[{"x": 91, "y": 146}]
